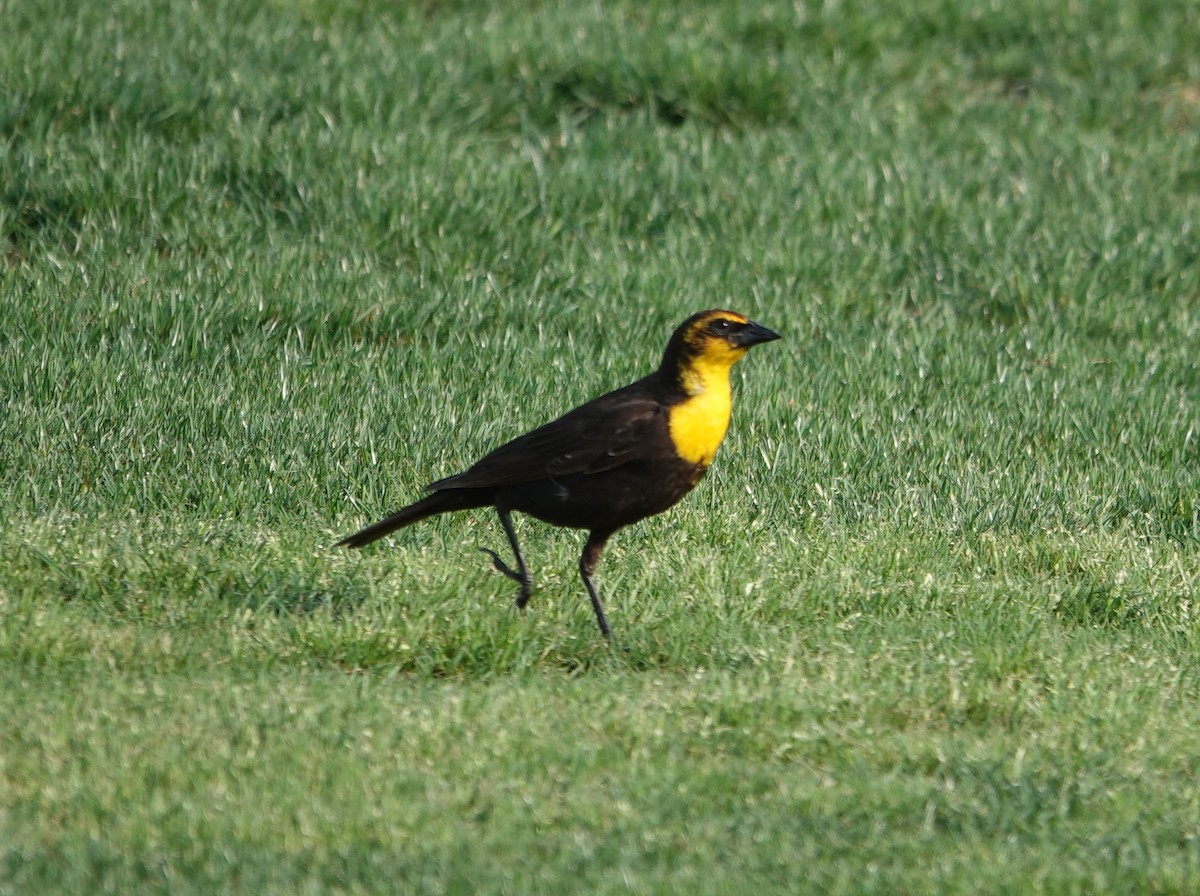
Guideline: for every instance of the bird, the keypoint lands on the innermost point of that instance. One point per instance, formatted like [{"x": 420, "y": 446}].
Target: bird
[{"x": 624, "y": 456}]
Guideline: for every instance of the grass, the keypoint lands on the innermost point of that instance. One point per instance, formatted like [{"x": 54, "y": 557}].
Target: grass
[{"x": 929, "y": 624}]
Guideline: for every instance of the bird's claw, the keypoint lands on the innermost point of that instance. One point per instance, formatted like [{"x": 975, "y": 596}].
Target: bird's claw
[
  {"x": 501, "y": 566},
  {"x": 522, "y": 580}
]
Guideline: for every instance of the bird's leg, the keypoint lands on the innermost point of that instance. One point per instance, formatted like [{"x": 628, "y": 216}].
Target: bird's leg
[
  {"x": 587, "y": 564},
  {"x": 520, "y": 574}
]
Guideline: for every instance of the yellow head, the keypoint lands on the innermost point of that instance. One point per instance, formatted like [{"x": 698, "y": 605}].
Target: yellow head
[
  {"x": 698, "y": 359},
  {"x": 709, "y": 343}
]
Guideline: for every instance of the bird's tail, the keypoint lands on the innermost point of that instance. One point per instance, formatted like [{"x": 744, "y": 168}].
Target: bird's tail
[{"x": 438, "y": 502}]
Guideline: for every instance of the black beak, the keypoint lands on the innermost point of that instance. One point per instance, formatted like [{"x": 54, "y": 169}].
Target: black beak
[{"x": 753, "y": 334}]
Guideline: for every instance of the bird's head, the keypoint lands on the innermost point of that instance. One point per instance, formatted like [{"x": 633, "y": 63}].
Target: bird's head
[{"x": 713, "y": 340}]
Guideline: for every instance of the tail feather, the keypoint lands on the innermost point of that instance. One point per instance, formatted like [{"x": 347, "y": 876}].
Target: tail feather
[{"x": 438, "y": 502}]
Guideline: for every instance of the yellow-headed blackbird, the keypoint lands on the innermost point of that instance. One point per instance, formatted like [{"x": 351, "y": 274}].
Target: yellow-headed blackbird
[{"x": 613, "y": 461}]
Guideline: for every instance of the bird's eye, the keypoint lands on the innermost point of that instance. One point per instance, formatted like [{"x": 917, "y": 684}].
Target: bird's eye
[{"x": 720, "y": 327}]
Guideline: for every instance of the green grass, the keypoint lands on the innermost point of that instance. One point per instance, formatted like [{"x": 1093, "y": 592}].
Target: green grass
[{"x": 928, "y": 626}]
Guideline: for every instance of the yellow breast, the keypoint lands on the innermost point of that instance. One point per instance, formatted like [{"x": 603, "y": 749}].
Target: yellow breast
[{"x": 699, "y": 422}]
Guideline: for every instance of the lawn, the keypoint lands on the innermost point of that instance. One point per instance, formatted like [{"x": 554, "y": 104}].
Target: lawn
[{"x": 930, "y": 623}]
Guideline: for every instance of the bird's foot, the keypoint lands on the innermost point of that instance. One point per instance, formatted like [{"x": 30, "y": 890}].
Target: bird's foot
[
  {"x": 503, "y": 567},
  {"x": 522, "y": 578}
]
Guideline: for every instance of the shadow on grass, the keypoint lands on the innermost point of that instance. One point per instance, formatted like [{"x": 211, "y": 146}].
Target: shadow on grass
[{"x": 1092, "y": 603}]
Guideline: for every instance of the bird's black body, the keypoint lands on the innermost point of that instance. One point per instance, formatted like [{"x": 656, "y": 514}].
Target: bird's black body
[{"x": 606, "y": 464}]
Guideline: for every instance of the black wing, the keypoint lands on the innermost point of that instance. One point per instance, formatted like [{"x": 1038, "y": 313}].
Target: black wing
[{"x": 603, "y": 434}]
